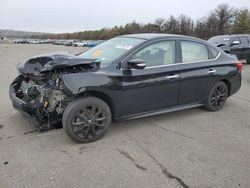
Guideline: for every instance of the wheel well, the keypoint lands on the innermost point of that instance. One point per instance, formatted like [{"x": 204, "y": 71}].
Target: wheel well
[
  {"x": 103, "y": 97},
  {"x": 228, "y": 86}
]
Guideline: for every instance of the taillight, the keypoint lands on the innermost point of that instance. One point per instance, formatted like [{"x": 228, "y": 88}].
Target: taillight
[{"x": 238, "y": 65}]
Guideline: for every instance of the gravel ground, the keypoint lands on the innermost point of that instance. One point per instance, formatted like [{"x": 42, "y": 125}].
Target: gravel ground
[{"x": 191, "y": 148}]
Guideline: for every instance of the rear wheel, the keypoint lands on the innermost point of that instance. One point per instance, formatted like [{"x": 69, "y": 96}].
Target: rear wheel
[
  {"x": 217, "y": 97},
  {"x": 86, "y": 119}
]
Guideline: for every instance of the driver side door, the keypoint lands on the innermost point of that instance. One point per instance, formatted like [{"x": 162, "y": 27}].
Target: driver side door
[{"x": 157, "y": 85}]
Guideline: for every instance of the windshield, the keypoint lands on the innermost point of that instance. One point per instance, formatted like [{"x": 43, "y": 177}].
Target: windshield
[
  {"x": 112, "y": 49},
  {"x": 219, "y": 40}
]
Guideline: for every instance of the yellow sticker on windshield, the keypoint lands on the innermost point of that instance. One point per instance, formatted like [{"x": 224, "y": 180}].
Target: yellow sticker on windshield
[{"x": 97, "y": 53}]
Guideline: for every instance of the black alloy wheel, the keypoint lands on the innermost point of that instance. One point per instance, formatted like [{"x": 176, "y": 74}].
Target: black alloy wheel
[
  {"x": 86, "y": 119},
  {"x": 217, "y": 97}
]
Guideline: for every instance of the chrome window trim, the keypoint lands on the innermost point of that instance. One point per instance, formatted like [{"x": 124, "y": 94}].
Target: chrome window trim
[
  {"x": 184, "y": 63},
  {"x": 159, "y": 66}
]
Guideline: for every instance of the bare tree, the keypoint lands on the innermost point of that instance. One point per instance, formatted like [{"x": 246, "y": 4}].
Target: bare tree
[
  {"x": 186, "y": 25},
  {"x": 171, "y": 25},
  {"x": 224, "y": 16},
  {"x": 160, "y": 23}
]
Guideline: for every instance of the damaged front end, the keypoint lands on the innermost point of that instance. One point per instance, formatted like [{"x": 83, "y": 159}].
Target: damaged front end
[{"x": 39, "y": 91}]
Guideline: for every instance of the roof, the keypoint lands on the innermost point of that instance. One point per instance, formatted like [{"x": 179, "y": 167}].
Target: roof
[
  {"x": 155, "y": 36},
  {"x": 148, "y": 36},
  {"x": 232, "y": 35}
]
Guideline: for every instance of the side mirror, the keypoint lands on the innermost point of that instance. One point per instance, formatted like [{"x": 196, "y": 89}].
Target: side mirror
[
  {"x": 136, "y": 64},
  {"x": 235, "y": 43}
]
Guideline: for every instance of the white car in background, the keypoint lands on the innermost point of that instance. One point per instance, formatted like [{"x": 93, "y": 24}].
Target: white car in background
[{"x": 79, "y": 44}]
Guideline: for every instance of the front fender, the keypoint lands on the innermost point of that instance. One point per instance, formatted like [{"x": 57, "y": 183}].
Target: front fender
[
  {"x": 108, "y": 84},
  {"x": 81, "y": 82}
]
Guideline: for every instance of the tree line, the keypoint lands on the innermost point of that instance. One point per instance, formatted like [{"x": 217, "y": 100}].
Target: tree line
[{"x": 224, "y": 19}]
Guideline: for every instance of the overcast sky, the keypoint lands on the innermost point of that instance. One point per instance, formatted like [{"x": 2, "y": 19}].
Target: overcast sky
[{"x": 77, "y": 15}]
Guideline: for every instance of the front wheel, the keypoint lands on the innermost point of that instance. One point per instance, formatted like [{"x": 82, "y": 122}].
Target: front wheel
[
  {"x": 217, "y": 97},
  {"x": 86, "y": 119}
]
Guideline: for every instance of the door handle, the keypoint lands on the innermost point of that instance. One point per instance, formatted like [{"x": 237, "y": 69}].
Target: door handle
[
  {"x": 172, "y": 77},
  {"x": 211, "y": 71}
]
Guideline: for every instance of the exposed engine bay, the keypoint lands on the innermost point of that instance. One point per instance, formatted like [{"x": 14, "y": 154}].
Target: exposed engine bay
[{"x": 41, "y": 90}]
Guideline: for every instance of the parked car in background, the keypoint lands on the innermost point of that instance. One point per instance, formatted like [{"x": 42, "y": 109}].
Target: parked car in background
[
  {"x": 92, "y": 44},
  {"x": 56, "y": 42},
  {"x": 127, "y": 77},
  {"x": 79, "y": 44},
  {"x": 59, "y": 42},
  {"x": 69, "y": 43},
  {"x": 34, "y": 42},
  {"x": 238, "y": 45},
  {"x": 21, "y": 41}
]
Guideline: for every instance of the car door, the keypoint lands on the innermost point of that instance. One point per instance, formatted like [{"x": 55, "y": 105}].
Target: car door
[
  {"x": 197, "y": 71},
  {"x": 157, "y": 85},
  {"x": 245, "y": 52},
  {"x": 236, "y": 47}
]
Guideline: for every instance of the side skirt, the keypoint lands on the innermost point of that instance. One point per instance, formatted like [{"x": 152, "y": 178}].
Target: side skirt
[{"x": 157, "y": 112}]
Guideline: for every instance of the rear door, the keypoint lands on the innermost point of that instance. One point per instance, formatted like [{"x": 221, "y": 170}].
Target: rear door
[
  {"x": 155, "y": 87},
  {"x": 197, "y": 71},
  {"x": 245, "y": 43},
  {"x": 236, "y": 49}
]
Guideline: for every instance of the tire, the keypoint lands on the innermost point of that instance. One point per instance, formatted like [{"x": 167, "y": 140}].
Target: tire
[
  {"x": 80, "y": 119},
  {"x": 217, "y": 97}
]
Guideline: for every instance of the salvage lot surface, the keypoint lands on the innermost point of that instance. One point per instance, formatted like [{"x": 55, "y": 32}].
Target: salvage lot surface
[{"x": 191, "y": 148}]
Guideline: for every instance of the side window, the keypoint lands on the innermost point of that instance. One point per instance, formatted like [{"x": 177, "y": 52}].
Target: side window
[
  {"x": 192, "y": 51},
  {"x": 161, "y": 53},
  {"x": 213, "y": 53},
  {"x": 235, "y": 39},
  {"x": 244, "y": 40}
]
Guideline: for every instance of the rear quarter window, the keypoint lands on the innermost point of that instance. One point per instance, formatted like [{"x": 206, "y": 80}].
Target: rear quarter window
[{"x": 213, "y": 53}]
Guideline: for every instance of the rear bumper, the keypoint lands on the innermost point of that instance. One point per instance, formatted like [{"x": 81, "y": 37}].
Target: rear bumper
[{"x": 235, "y": 83}]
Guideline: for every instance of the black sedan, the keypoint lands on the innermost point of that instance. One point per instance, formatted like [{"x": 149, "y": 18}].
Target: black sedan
[
  {"x": 123, "y": 78},
  {"x": 238, "y": 45}
]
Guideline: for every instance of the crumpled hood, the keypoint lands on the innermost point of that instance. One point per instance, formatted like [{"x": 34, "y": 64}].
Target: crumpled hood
[{"x": 41, "y": 64}]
